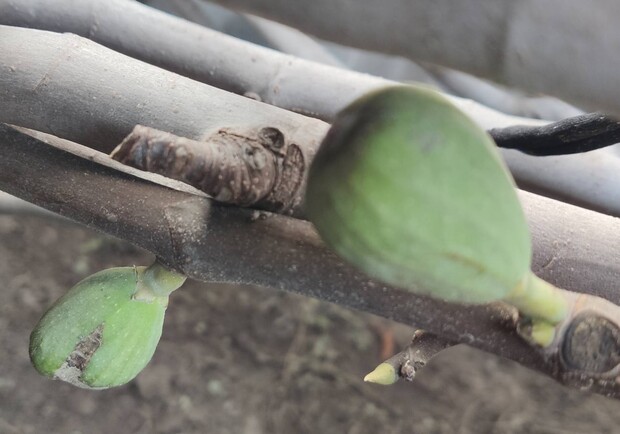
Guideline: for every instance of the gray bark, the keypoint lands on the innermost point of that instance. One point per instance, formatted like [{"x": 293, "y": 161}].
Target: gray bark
[
  {"x": 558, "y": 47},
  {"x": 73, "y": 88}
]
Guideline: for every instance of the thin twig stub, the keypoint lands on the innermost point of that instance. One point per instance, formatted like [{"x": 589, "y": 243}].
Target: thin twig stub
[{"x": 254, "y": 168}]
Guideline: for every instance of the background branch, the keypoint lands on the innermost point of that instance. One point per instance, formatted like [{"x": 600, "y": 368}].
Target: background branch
[
  {"x": 498, "y": 97},
  {"x": 291, "y": 41},
  {"x": 488, "y": 38},
  {"x": 103, "y": 108},
  {"x": 214, "y": 58},
  {"x": 12, "y": 205},
  {"x": 47, "y": 83}
]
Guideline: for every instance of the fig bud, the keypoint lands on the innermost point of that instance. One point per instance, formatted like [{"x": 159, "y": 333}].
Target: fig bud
[
  {"x": 409, "y": 189},
  {"x": 104, "y": 330}
]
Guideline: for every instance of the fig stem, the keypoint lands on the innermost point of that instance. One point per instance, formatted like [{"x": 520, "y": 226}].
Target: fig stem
[
  {"x": 161, "y": 280},
  {"x": 542, "y": 333},
  {"x": 539, "y": 299}
]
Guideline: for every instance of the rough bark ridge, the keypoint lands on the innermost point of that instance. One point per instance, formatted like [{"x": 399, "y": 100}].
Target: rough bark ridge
[{"x": 258, "y": 169}]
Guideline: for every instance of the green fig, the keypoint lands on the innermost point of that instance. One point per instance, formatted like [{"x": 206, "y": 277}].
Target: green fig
[
  {"x": 105, "y": 329},
  {"x": 411, "y": 191},
  {"x": 383, "y": 374}
]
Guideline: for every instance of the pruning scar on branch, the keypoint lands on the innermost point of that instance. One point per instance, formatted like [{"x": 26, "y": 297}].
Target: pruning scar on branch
[{"x": 250, "y": 168}]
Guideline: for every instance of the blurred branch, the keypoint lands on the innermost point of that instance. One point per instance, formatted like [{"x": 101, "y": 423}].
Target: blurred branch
[
  {"x": 575, "y": 132},
  {"x": 102, "y": 109},
  {"x": 254, "y": 170},
  {"x": 47, "y": 84},
  {"x": 580, "y": 133},
  {"x": 406, "y": 363},
  {"x": 558, "y": 47},
  {"x": 501, "y": 98},
  {"x": 214, "y": 58},
  {"x": 292, "y": 41},
  {"x": 211, "y": 242}
]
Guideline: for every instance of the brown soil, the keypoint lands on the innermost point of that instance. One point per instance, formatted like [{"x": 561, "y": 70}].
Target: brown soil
[{"x": 249, "y": 360}]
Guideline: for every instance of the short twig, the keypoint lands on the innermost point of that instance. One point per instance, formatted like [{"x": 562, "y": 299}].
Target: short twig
[
  {"x": 405, "y": 364},
  {"x": 569, "y": 136}
]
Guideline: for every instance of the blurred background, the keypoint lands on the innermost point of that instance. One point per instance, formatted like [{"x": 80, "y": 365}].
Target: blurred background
[{"x": 256, "y": 361}]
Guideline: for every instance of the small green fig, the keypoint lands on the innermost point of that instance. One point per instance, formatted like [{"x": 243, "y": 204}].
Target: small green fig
[
  {"x": 411, "y": 191},
  {"x": 383, "y": 374},
  {"x": 104, "y": 330}
]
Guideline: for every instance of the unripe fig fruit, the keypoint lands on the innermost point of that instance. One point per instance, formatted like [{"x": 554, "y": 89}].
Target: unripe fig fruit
[
  {"x": 104, "y": 330},
  {"x": 411, "y": 191}
]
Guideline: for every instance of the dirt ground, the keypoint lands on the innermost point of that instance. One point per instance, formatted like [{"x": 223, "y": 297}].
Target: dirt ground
[{"x": 253, "y": 361}]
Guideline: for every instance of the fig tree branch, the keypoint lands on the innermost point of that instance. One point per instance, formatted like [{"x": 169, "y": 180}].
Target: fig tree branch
[
  {"x": 208, "y": 165},
  {"x": 294, "y": 42},
  {"x": 212, "y": 242},
  {"x": 406, "y": 363},
  {"x": 242, "y": 67},
  {"x": 47, "y": 84},
  {"x": 214, "y": 58},
  {"x": 526, "y": 44},
  {"x": 569, "y": 136}
]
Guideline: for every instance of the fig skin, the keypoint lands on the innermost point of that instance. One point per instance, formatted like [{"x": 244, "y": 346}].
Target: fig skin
[
  {"x": 104, "y": 330},
  {"x": 411, "y": 191}
]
